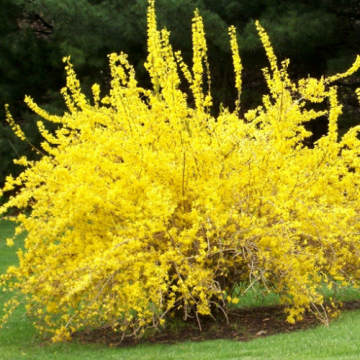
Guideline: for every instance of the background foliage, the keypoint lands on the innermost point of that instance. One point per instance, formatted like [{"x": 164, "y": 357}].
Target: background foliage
[{"x": 320, "y": 37}]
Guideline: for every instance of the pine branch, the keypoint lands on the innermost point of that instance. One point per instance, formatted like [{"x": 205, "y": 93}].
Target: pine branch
[{"x": 44, "y": 22}]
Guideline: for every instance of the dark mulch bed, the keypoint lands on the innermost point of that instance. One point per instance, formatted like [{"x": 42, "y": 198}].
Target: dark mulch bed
[{"x": 245, "y": 324}]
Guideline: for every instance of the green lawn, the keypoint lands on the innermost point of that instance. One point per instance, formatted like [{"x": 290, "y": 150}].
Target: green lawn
[{"x": 18, "y": 340}]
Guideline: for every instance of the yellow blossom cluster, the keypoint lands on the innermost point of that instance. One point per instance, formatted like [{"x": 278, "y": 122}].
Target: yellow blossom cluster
[{"x": 144, "y": 208}]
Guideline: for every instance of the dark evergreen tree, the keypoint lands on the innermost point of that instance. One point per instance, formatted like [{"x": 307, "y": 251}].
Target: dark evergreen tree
[
  {"x": 318, "y": 36},
  {"x": 23, "y": 70}
]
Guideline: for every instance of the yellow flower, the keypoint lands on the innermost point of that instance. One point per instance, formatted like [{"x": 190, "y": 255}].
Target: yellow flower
[{"x": 142, "y": 204}]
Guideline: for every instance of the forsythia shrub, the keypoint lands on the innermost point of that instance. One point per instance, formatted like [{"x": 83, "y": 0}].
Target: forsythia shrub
[{"x": 144, "y": 208}]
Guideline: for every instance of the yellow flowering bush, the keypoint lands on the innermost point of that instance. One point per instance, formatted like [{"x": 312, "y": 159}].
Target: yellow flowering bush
[{"x": 145, "y": 208}]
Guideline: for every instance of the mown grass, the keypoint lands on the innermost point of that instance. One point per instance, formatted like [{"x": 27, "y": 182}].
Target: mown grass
[{"x": 19, "y": 340}]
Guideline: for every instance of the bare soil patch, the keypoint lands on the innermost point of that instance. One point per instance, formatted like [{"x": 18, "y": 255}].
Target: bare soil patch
[{"x": 244, "y": 325}]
